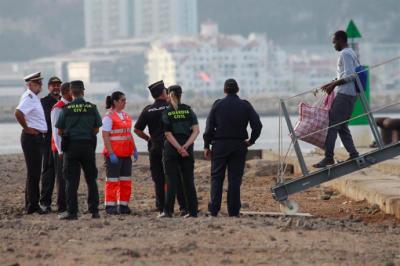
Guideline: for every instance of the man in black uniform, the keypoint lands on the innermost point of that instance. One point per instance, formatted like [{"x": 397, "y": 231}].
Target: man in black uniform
[
  {"x": 48, "y": 171},
  {"x": 80, "y": 122},
  {"x": 226, "y": 131},
  {"x": 151, "y": 117}
]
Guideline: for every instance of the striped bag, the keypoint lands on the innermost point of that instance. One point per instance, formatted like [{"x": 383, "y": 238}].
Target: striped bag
[{"x": 314, "y": 118}]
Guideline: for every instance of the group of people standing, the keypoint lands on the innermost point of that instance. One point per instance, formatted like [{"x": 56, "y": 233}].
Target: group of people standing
[
  {"x": 61, "y": 130},
  {"x": 59, "y": 139}
]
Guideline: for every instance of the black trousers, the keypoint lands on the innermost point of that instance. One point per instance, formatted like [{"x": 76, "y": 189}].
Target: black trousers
[
  {"x": 231, "y": 155},
  {"x": 158, "y": 176},
  {"x": 48, "y": 173},
  {"x": 180, "y": 176},
  {"x": 32, "y": 147},
  {"x": 81, "y": 154},
  {"x": 61, "y": 187},
  {"x": 341, "y": 110}
]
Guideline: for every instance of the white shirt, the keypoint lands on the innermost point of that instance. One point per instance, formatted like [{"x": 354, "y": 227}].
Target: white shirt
[
  {"x": 107, "y": 122},
  {"x": 32, "y": 108},
  {"x": 346, "y": 66},
  {"x": 54, "y": 115}
]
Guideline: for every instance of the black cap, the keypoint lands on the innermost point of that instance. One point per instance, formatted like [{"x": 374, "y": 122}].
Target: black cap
[
  {"x": 65, "y": 87},
  {"x": 231, "y": 86},
  {"x": 54, "y": 79},
  {"x": 157, "y": 88},
  {"x": 175, "y": 88},
  {"x": 77, "y": 85}
]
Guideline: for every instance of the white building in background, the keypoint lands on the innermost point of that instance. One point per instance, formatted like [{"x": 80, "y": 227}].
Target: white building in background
[
  {"x": 204, "y": 62},
  {"x": 310, "y": 71},
  {"x": 153, "y": 18},
  {"x": 106, "y": 20}
]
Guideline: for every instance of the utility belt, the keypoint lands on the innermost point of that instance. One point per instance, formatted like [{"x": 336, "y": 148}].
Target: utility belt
[
  {"x": 66, "y": 142},
  {"x": 228, "y": 139},
  {"x": 39, "y": 138}
]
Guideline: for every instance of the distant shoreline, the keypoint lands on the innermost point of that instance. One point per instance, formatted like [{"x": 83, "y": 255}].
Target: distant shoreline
[{"x": 10, "y": 119}]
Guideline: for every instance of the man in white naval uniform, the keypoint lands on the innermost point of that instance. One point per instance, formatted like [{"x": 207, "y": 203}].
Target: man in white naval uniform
[{"x": 30, "y": 115}]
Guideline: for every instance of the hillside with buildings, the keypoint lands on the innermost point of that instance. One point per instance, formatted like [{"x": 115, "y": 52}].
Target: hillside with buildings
[
  {"x": 44, "y": 28},
  {"x": 125, "y": 45}
]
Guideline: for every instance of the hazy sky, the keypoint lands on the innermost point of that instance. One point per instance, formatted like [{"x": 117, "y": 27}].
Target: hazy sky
[{"x": 30, "y": 29}]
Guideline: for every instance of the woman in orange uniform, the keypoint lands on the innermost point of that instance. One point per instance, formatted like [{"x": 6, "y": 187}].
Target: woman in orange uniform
[{"x": 119, "y": 146}]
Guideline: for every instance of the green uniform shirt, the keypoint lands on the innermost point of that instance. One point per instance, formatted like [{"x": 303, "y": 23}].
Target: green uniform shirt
[
  {"x": 78, "y": 119},
  {"x": 179, "y": 123}
]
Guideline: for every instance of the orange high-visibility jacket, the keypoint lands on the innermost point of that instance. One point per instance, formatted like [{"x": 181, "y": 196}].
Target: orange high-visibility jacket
[{"x": 121, "y": 137}]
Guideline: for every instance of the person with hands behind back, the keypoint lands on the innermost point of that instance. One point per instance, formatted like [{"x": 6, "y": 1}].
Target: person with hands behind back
[
  {"x": 181, "y": 130},
  {"x": 119, "y": 146}
]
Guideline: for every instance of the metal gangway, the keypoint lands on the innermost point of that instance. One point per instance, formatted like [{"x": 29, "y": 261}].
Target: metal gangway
[{"x": 282, "y": 189}]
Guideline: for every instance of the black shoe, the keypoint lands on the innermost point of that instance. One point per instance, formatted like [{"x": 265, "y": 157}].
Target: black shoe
[
  {"x": 164, "y": 215},
  {"x": 324, "y": 163},
  {"x": 183, "y": 213},
  {"x": 30, "y": 211},
  {"x": 112, "y": 210},
  {"x": 124, "y": 209},
  {"x": 67, "y": 216},
  {"x": 190, "y": 216},
  {"x": 211, "y": 214},
  {"x": 353, "y": 156},
  {"x": 61, "y": 210},
  {"x": 45, "y": 209},
  {"x": 95, "y": 215}
]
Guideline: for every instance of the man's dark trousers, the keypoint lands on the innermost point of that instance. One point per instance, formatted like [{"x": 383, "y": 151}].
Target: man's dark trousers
[
  {"x": 341, "y": 110},
  {"x": 61, "y": 189},
  {"x": 231, "y": 155},
  {"x": 32, "y": 146},
  {"x": 81, "y": 153},
  {"x": 158, "y": 176},
  {"x": 48, "y": 173},
  {"x": 157, "y": 173}
]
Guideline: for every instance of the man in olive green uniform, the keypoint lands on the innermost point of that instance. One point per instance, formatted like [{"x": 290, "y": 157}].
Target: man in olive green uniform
[{"x": 79, "y": 122}]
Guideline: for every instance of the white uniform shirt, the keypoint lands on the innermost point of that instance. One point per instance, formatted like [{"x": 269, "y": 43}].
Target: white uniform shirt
[
  {"x": 32, "y": 109},
  {"x": 54, "y": 115}
]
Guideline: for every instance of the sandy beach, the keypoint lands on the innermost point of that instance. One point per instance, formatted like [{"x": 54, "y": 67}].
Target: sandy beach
[{"x": 341, "y": 231}]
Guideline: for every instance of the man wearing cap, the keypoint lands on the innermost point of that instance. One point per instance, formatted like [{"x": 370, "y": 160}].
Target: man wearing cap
[
  {"x": 151, "y": 117},
  {"x": 30, "y": 115},
  {"x": 79, "y": 122},
  {"x": 48, "y": 172},
  {"x": 226, "y": 132}
]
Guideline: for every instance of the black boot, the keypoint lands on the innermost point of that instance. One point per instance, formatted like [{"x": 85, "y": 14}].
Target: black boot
[
  {"x": 124, "y": 209},
  {"x": 67, "y": 216},
  {"x": 112, "y": 210}
]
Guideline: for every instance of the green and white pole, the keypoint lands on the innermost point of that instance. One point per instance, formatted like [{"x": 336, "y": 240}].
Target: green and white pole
[{"x": 359, "y": 127}]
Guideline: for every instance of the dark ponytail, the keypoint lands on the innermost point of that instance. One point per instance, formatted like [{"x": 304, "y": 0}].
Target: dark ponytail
[{"x": 115, "y": 96}]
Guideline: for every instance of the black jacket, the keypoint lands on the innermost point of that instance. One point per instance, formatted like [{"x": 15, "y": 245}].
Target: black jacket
[{"x": 228, "y": 119}]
